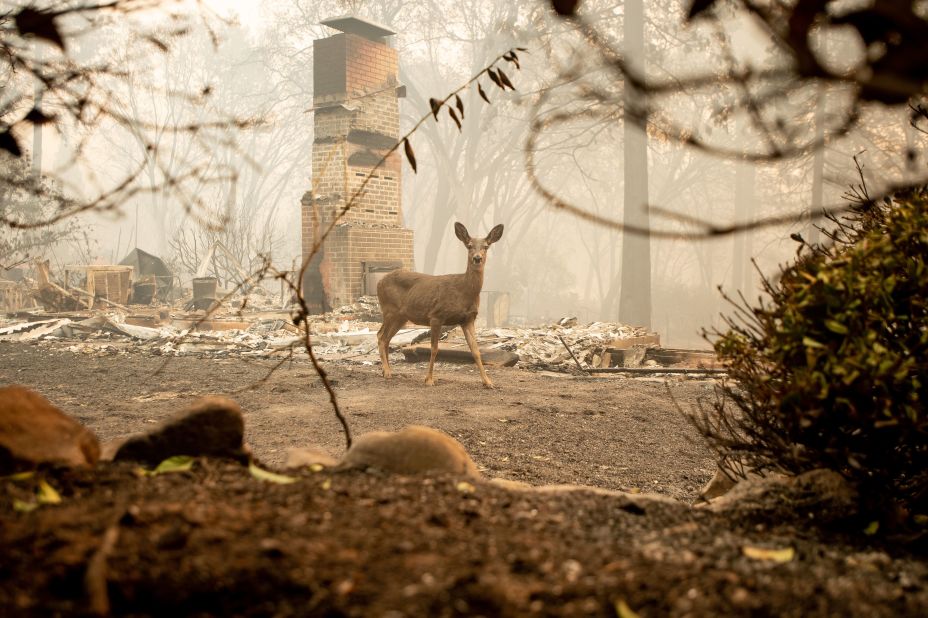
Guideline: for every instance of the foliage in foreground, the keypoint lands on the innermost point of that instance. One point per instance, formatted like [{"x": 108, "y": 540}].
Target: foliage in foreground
[{"x": 832, "y": 371}]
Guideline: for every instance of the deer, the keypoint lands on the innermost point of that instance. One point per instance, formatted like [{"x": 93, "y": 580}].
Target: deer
[{"x": 436, "y": 301}]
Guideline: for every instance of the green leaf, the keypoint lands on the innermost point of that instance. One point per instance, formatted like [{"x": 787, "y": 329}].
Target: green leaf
[
  {"x": 271, "y": 477},
  {"x": 836, "y": 327},
  {"x": 811, "y": 343},
  {"x": 178, "y": 463},
  {"x": 872, "y": 528},
  {"x": 47, "y": 494}
]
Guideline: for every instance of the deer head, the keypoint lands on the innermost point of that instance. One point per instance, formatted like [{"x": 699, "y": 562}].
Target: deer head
[{"x": 477, "y": 247}]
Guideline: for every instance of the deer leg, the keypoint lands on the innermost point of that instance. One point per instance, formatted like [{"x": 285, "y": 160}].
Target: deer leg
[
  {"x": 436, "y": 335},
  {"x": 470, "y": 334},
  {"x": 387, "y": 331}
]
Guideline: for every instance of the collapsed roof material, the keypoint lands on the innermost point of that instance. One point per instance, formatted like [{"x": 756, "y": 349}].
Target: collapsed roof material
[{"x": 144, "y": 263}]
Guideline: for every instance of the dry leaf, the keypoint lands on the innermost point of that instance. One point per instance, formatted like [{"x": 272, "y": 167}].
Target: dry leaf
[
  {"x": 505, "y": 79},
  {"x": 38, "y": 117},
  {"x": 20, "y": 476},
  {"x": 465, "y": 488},
  {"x": 698, "y": 7},
  {"x": 483, "y": 95},
  {"x": 460, "y": 105},
  {"x": 161, "y": 45},
  {"x": 40, "y": 24},
  {"x": 454, "y": 117},
  {"x": 9, "y": 143},
  {"x": 779, "y": 556},
  {"x": 24, "y": 507},
  {"x": 410, "y": 156},
  {"x": 622, "y": 610},
  {"x": 435, "y": 104},
  {"x": 270, "y": 477},
  {"x": 47, "y": 494}
]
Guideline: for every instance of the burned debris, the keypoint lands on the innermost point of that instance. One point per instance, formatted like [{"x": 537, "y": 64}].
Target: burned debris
[{"x": 255, "y": 325}]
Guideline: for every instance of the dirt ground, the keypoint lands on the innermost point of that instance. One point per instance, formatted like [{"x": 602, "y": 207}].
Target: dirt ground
[{"x": 215, "y": 541}]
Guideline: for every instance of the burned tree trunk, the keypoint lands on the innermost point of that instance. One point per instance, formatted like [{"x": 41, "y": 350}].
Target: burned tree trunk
[{"x": 635, "y": 296}]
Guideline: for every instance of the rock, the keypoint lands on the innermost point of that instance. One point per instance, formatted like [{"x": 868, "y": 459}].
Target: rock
[
  {"x": 211, "y": 426},
  {"x": 638, "y": 504},
  {"x": 413, "y": 450},
  {"x": 33, "y": 432},
  {"x": 723, "y": 481},
  {"x": 822, "y": 494},
  {"x": 718, "y": 485},
  {"x": 308, "y": 456},
  {"x": 109, "y": 449},
  {"x": 511, "y": 485}
]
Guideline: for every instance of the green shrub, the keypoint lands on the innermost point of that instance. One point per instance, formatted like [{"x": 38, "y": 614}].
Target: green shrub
[{"x": 832, "y": 371}]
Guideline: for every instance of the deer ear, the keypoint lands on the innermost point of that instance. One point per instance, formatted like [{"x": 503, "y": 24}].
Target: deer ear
[
  {"x": 461, "y": 232},
  {"x": 495, "y": 234}
]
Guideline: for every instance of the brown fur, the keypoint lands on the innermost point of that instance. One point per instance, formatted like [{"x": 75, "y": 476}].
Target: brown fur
[{"x": 436, "y": 301}]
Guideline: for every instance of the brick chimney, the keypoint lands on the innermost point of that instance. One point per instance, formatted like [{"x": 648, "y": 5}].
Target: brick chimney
[{"x": 356, "y": 121}]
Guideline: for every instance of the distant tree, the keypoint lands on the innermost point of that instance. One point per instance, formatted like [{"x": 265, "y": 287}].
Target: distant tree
[
  {"x": 635, "y": 295},
  {"x": 27, "y": 199},
  {"x": 773, "y": 103},
  {"x": 51, "y": 77},
  {"x": 266, "y": 156}
]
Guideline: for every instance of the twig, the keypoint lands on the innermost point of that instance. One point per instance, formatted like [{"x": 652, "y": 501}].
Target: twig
[
  {"x": 96, "y": 575},
  {"x": 571, "y": 352},
  {"x": 684, "y": 370}
]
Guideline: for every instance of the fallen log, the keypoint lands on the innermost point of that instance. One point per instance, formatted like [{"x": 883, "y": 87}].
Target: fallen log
[
  {"x": 449, "y": 353},
  {"x": 656, "y": 370}
]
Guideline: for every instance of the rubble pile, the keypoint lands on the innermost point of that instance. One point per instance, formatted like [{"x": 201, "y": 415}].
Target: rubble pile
[
  {"x": 263, "y": 334},
  {"x": 91, "y": 314},
  {"x": 542, "y": 347},
  {"x": 347, "y": 333},
  {"x": 365, "y": 309},
  {"x": 110, "y": 334}
]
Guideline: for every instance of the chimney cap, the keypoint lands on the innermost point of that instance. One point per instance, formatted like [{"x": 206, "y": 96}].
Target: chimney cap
[{"x": 357, "y": 25}]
